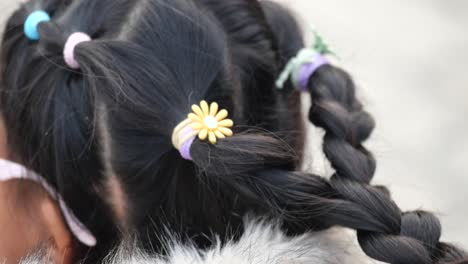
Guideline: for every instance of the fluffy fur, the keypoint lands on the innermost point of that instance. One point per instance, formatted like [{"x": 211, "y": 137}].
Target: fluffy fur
[{"x": 261, "y": 243}]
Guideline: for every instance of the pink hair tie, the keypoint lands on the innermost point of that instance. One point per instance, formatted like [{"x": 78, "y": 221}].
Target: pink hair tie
[{"x": 69, "y": 50}]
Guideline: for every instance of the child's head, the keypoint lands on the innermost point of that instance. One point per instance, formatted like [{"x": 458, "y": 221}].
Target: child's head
[{"x": 101, "y": 133}]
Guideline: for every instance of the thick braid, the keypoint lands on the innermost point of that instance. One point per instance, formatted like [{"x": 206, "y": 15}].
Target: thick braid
[
  {"x": 336, "y": 109},
  {"x": 411, "y": 237},
  {"x": 304, "y": 201}
]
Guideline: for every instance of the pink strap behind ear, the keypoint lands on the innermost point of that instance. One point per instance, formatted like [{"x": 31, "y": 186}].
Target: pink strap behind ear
[{"x": 13, "y": 171}]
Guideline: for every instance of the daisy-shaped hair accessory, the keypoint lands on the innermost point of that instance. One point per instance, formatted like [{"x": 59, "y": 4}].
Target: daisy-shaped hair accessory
[
  {"x": 207, "y": 122},
  {"x": 210, "y": 122}
]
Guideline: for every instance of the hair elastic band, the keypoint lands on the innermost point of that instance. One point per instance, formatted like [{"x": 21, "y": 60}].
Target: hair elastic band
[
  {"x": 185, "y": 147},
  {"x": 13, "y": 171},
  {"x": 207, "y": 122},
  {"x": 307, "y": 61},
  {"x": 301, "y": 68},
  {"x": 308, "y": 69},
  {"x": 32, "y": 22},
  {"x": 183, "y": 137},
  {"x": 69, "y": 49}
]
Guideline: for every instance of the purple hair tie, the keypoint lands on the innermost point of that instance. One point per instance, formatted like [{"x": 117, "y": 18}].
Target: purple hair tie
[
  {"x": 183, "y": 137},
  {"x": 307, "y": 70},
  {"x": 185, "y": 147},
  {"x": 307, "y": 61},
  {"x": 301, "y": 68}
]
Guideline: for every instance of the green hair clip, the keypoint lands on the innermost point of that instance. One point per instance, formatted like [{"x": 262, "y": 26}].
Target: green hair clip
[{"x": 321, "y": 46}]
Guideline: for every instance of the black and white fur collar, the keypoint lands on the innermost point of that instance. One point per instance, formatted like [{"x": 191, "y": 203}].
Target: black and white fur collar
[{"x": 262, "y": 243}]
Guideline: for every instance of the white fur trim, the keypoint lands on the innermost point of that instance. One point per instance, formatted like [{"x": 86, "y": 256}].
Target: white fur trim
[{"x": 261, "y": 243}]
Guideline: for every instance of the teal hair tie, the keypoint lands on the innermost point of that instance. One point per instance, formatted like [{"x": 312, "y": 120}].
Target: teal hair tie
[{"x": 32, "y": 22}]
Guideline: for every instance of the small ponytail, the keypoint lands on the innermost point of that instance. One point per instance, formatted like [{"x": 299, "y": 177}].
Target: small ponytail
[{"x": 206, "y": 138}]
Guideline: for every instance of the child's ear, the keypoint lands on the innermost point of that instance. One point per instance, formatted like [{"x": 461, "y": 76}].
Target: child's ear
[{"x": 64, "y": 245}]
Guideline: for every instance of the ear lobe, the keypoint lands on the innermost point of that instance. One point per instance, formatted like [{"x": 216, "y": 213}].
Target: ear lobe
[{"x": 61, "y": 237}]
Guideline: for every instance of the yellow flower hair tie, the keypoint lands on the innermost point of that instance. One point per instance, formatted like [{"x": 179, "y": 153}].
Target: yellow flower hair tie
[{"x": 206, "y": 122}]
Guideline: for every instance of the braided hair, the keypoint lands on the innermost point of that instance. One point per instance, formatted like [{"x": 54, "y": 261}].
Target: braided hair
[
  {"x": 108, "y": 126},
  {"x": 393, "y": 236},
  {"x": 389, "y": 235}
]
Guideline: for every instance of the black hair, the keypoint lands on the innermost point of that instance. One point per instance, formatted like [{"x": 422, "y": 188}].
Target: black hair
[{"x": 149, "y": 61}]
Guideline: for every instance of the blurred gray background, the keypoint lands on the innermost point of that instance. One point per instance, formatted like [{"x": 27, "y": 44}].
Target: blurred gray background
[{"x": 410, "y": 61}]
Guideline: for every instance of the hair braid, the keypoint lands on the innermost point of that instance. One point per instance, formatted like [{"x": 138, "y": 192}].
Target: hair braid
[
  {"x": 411, "y": 237},
  {"x": 336, "y": 109}
]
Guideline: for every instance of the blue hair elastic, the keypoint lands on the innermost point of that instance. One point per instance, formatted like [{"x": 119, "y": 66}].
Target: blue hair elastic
[{"x": 32, "y": 22}]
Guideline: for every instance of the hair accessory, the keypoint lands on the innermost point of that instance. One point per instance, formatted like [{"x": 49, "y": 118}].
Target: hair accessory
[
  {"x": 69, "y": 49},
  {"x": 33, "y": 21},
  {"x": 13, "y": 171},
  {"x": 207, "y": 122},
  {"x": 305, "y": 64}
]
